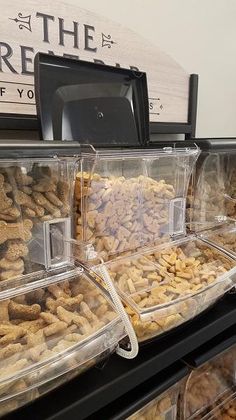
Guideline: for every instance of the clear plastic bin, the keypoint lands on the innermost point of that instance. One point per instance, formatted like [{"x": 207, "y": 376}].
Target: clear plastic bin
[
  {"x": 223, "y": 237},
  {"x": 51, "y": 331},
  {"x": 163, "y": 407},
  {"x": 230, "y": 184},
  {"x": 126, "y": 200},
  {"x": 206, "y": 194},
  {"x": 171, "y": 284},
  {"x": 211, "y": 201},
  {"x": 210, "y": 389},
  {"x": 35, "y": 215}
]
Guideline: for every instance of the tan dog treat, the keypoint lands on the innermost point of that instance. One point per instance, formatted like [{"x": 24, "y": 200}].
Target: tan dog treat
[
  {"x": 54, "y": 328},
  {"x": 47, "y": 354},
  {"x": 5, "y": 202},
  {"x": 45, "y": 203},
  {"x": 29, "y": 212},
  {"x": 10, "y": 214},
  {"x": 15, "y": 367},
  {"x": 15, "y": 250},
  {"x": 48, "y": 318},
  {"x": 74, "y": 337},
  {"x": 35, "y": 339},
  {"x": 71, "y": 329},
  {"x": 62, "y": 345},
  {"x": 16, "y": 310},
  {"x": 51, "y": 304},
  {"x": 36, "y": 344},
  {"x": 66, "y": 286},
  {"x": 10, "y": 350},
  {"x": 15, "y": 230},
  {"x": 13, "y": 336},
  {"x": 87, "y": 313},
  {"x": 45, "y": 185},
  {"x": 26, "y": 190},
  {"x": 101, "y": 310},
  {"x": 51, "y": 196},
  {"x": 10, "y": 274},
  {"x": 33, "y": 326},
  {"x": 18, "y": 386},
  {"x": 7, "y": 328},
  {"x": 64, "y": 315},
  {"x": 4, "y": 316},
  {"x": 21, "y": 177},
  {"x": 20, "y": 299},
  {"x": 57, "y": 291},
  {"x": 63, "y": 191},
  {"x": 70, "y": 303},
  {"x": 25, "y": 200},
  {"x": 70, "y": 317},
  {"x": 47, "y": 217},
  {"x": 35, "y": 352},
  {"x": 6, "y": 264}
]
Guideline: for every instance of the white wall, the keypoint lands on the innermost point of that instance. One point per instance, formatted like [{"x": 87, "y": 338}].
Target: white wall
[{"x": 200, "y": 35}]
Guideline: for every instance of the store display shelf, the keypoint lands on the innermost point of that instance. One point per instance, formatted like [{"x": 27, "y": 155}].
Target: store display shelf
[
  {"x": 84, "y": 396},
  {"x": 140, "y": 397}
]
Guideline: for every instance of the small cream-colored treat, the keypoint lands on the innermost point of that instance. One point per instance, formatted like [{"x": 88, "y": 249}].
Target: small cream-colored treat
[{"x": 121, "y": 214}]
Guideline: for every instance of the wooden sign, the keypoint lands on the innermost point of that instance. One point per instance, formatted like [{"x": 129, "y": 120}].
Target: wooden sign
[{"x": 67, "y": 30}]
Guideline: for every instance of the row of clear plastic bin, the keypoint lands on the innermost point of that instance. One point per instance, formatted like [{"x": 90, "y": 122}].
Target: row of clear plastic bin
[
  {"x": 64, "y": 222},
  {"x": 208, "y": 392}
]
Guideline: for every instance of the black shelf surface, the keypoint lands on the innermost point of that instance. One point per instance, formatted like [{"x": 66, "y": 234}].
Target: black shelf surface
[
  {"x": 143, "y": 394},
  {"x": 100, "y": 386}
]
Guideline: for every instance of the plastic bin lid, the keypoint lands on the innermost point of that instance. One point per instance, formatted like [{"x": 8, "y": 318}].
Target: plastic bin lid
[
  {"x": 15, "y": 149},
  {"x": 91, "y": 103},
  {"x": 213, "y": 144}
]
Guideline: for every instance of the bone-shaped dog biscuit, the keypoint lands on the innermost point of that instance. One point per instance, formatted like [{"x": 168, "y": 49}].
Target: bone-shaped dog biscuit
[
  {"x": 17, "y": 310},
  {"x": 15, "y": 230},
  {"x": 45, "y": 185},
  {"x": 46, "y": 204},
  {"x": 26, "y": 201},
  {"x": 5, "y": 202}
]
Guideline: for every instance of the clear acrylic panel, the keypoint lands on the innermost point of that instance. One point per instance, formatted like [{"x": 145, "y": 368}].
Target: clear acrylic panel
[
  {"x": 51, "y": 332},
  {"x": 167, "y": 286},
  {"x": 210, "y": 389},
  {"x": 126, "y": 200},
  {"x": 36, "y": 195},
  {"x": 163, "y": 407}
]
